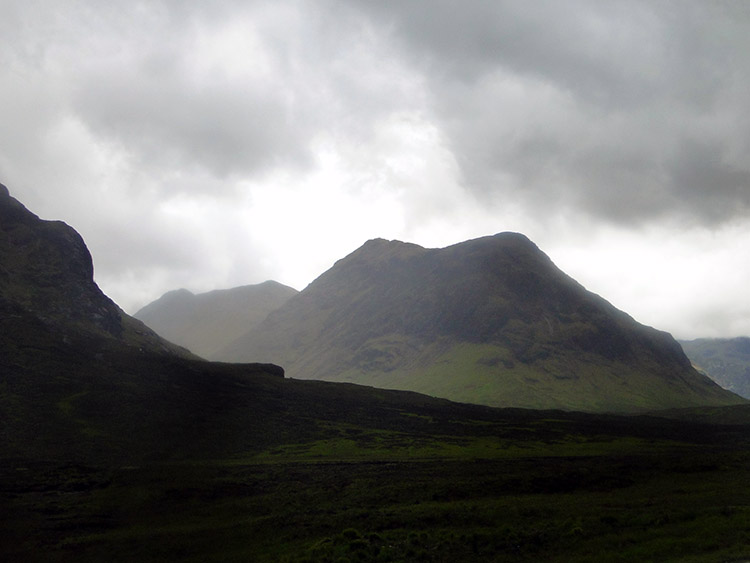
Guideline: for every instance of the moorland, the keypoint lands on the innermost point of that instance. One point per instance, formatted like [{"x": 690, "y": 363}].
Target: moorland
[{"x": 400, "y": 479}]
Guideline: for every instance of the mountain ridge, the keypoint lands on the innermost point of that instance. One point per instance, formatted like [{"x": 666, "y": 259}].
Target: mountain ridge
[
  {"x": 82, "y": 380},
  {"x": 206, "y": 322},
  {"x": 490, "y": 320}
]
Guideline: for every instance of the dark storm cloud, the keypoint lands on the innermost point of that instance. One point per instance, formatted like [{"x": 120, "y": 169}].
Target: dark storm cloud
[{"x": 627, "y": 110}]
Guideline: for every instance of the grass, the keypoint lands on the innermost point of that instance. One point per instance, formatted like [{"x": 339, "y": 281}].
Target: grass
[
  {"x": 390, "y": 446},
  {"x": 488, "y": 374},
  {"x": 442, "y": 510},
  {"x": 390, "y": 496}
]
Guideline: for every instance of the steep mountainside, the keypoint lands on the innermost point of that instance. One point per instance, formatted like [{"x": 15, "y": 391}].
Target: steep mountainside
[
  {"x": 725, "y": 360},
  {"x": 490, "y": 321},
  {"x": 81, "y": 380},
  {"x": 207, "y": 322},
  {"x": 46, "y": 273}
]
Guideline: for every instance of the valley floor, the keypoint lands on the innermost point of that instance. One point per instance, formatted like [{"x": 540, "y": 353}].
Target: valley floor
[{"x": 612, "y": 498}]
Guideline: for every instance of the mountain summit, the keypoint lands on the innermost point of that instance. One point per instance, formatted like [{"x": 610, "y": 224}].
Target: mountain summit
[{"x": 490, "y": 321}]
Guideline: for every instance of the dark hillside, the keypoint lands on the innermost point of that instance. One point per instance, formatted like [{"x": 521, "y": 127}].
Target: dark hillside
[{"x": 47, "y": 272}]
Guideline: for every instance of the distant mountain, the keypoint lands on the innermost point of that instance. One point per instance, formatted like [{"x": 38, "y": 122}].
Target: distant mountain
[
  {"x": 725, "y": 360},
  {"x": 207, "y": 322},
  {"x": 81, "y": 382},
  {"x": 490, "y": 321}
]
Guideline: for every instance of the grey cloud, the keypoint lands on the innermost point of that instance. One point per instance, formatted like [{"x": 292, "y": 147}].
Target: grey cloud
[
  {"x": 156, "y": 105},
  {"x": 702, "y": 178},
  {"x": 630, "y": 107},
  {"x": 227, "y": 129},
  {"x": 612, "y": 99},
  {"x": 321, "y": 72},
  {"x": 600, "y": 50}
]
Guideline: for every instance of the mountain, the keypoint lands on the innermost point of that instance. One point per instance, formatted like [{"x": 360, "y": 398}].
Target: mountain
[
  {"x": 490, "y": 321},
  {"x": 79, "y": 375},
  {"x": 725, "y": 360},
  {"x": 46, "y": 276},
  {"x": 207, "y": 322},
  {"x": 117, "y": 446}
]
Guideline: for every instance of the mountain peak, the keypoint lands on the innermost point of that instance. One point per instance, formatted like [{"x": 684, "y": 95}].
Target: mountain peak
[
  {"x": 381, "y": 244},
  {"x": 519, "y": 240},
  {"x": 377, "y": 241},
  {"x": 490, "y": 320},
  {"x": 379, "y": 250},
  {"x": 52, "y": 258},
  {"x": 181, "y": 293},
  {"x": 508, "y": 240}
]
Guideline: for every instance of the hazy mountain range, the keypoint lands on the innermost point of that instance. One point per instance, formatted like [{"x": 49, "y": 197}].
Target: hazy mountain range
[
  {"x": 725, "y": 360},
  {"x": 489, "y": 321},
  {"x": 206, "y": 322}
]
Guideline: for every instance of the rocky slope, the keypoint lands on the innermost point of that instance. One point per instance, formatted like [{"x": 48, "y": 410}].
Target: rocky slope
[
  {"x": 207, "y": 322},
  {"x": 491, "y": 321},
  {"x": 46, "y": 273}
]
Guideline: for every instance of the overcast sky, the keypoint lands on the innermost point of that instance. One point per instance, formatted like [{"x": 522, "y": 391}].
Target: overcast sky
[{"x": 213, "y": 144}]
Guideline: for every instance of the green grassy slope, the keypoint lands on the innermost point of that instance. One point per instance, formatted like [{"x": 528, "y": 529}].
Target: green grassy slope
[
  {"x": 491, "y": 321},
  {"x": 470, "y": 372}
]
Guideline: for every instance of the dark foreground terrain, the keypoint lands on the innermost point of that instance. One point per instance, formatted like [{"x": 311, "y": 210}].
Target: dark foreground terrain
[
  {"x": 499, "y": 486},
  {"x": 109, "y": 455}
]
